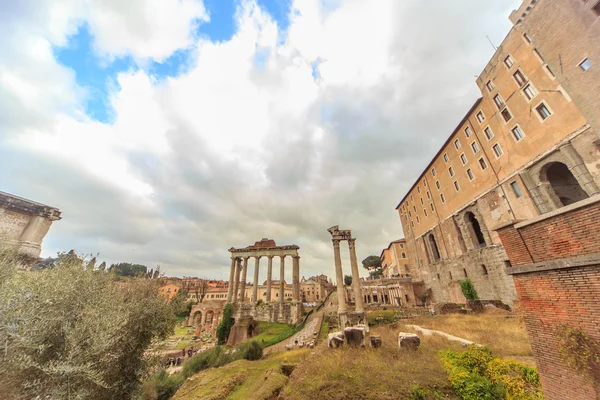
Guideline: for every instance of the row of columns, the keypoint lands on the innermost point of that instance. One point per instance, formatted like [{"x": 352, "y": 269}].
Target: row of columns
[
  {"x": 236, "y": 289},
  {"x": 340, "y": 276}
]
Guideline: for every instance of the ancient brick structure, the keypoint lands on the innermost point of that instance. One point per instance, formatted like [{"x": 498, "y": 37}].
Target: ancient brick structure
[
  {"x": 556, "y": 269},
  {"x": 24, "y": 224}
]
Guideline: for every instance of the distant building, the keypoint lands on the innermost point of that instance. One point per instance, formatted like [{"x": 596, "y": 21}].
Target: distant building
[
  {"x": 395, "y": 260},
  {"x": 24, "y": 224},
  {"x": 169, "y": 291},
  {"x": 315, "y": 288},
  {"x": 400, "y": 292}
]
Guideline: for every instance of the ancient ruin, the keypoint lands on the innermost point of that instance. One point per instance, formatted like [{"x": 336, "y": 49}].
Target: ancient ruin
[
  {"x": 206, "y": 316},
  {"x": 262, "y": 306},
  {"x": 359, "y": 316}
]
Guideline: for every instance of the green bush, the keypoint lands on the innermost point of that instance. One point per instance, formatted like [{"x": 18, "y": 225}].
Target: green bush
[
  {"x": 249, "y": 351},
  {"x": 161, "y": 386},
  {"x": 468, "y": 290},
  {"x": 212, "y": 358},
  {"x": 476, "y": 374},
  {"x": 225, "y": 325}
]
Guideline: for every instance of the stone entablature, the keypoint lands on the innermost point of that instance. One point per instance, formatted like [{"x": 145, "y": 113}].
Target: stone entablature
[{"x": 25, "y": 223}]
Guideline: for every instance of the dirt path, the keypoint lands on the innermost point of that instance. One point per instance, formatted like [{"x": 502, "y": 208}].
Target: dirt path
[{"x": 429, "y": 332}]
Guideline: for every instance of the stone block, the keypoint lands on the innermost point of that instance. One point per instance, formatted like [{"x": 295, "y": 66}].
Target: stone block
[
  {"x": 355, "y": 336},
  {"x": 408, "y": 341},
  {"x": 375, "y": 341},
  {"x": 335, "y": 339}
]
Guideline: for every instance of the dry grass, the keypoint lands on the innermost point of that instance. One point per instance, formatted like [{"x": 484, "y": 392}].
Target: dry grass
[
  {"x": 384, "y": 373},
  {"x": 505, "y": 335}
]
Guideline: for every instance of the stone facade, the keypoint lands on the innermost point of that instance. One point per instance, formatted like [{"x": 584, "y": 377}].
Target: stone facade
[
  {"x": 315, "y": 288},
  {"x": 395, "y": 260},
  {"x": 398, "y": 292},
  {"x": 527, "y": 147},
  {"x": 24, "y": 224},
  {"x": 285, "y": 313},
  {"x": 556, "y": 268},
  {"x": 206, "y": 316}
]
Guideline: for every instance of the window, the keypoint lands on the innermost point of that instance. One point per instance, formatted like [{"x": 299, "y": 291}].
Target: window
[
  {"x": 437, "y": 184},
  {"x": 482, "y": 163},
  {"x": 586, "y": 64},
  {"x": 549, "y": 71},
  {"x": 439, "y": 279},
  {"x": 418, "y": 221},
  {"x": 451, "y": 172},
  {"x": 428, "y": 195},
  {"x": 537, "y": 53},
  {"x": 480, "y": 117},
  {"x": 415, "y": 208},
  {"x": 484, "y": 270},
  {"x": 499, "y": 102},
  {"x": 433, "y": 171},
  {"x": 421, "y": 201},
  {"x": 457, "y": 144},
  {"x": 463, "y": 159},
  {"x": 456, "y": 186},
  {"x": 403, "y": 255},
  {"x": 497, "y": 150},
  {"x": 490, "y": 86},
  {"x": 475, "y": 147},
  {"x": 450, "y": 273},
  {"x": 425, "y": 211},
  {"x": 409, "y": 214},
  {"x": 470, "y": 174},
  {"x": 519, "y": 78},
  {"x": 529, "y": 91},
  {"x": 515, "y": 187},
  {"x": 506, "y": 115},
  {"x": 543, "y": 111},
  {"x": 442, "y": 198},
  {"x": 418, "y": 189},
  {"x": 411, "y": 198},
  {"x": 488, "y": 133},
  {"x": 465, "y": 273},
  {"x": 431, "y": 206},
  {"x": 508, "y": 61},
  {"x": 526, "y": 38},
  {"x": 596, "y": 8},
  {"x": 445, "y": 157},
  {"x": 468, "y": 132},
  {"x": 424, "y": 182},
  {"x": 517, "y": 133}
]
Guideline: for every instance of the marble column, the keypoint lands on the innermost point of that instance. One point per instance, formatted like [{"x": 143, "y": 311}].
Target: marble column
[
  {"x": 281, "y": 279},
  {"x": 243, "y": 281},
  {"x": 231, "y": 276},
  {"x": 269, "y": 277},
  {"x": 339, "y": 277},
  {"x": 355, "y": 276},
  {"x": 213, "y": 328},
  {"x": 236, "y": 282},
  {"x": 296, "y": 278},
  {"x": 255, "y": 287}
]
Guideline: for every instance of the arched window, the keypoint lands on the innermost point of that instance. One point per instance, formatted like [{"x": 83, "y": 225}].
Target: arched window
[
  {"x": 484, "y": 270},
  {"x": 564, "y": 184},
  {"x": 434, "y": 249},
  {"x": 475, "y": 230}
]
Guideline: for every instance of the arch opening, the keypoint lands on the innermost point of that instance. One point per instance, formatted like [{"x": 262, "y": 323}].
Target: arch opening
[
  {"x": 475, "y": 230},
  {"x": 434, "y": 248},
  {"x": 564, "y": 184}
]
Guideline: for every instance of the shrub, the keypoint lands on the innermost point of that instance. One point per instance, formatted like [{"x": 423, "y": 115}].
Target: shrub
[
  {"x": 249, "y": 351},
  {"x": 212, "y": 358},
  {"x": 475, "y": 374},
  {"x": 161, "y": 386},
  {"x": 468, "y": 290},
  {"x": 225, "y": 325}
]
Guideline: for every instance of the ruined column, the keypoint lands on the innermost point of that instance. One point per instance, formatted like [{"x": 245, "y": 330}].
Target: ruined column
[
  {"x": 281, "y": 279},
  {"x": 296, "y": 278},
  {"x": 231, "y": 277},
  {"x": 255, "y": 287},
  {"x": 355, "y": 276},
  {"x": 339, "y": 276},
  {"x": 243, "y": 282},
  {"x": 269, "y": 276},
  {"x": 579, "y": 170},
  {"x": 236, "y": 282},
  {"x": 536, "y": 194}
]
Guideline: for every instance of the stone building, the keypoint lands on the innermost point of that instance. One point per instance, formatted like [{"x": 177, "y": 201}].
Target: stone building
[
  {"x": 315, "y": 288},
  {"x": 24, "y": 224},
  {"x": 395, "y": 261},
  {"x": 400, "y": 292},
  {"x": 169, "y": 290},
  {"x": 525, "y": 148}
]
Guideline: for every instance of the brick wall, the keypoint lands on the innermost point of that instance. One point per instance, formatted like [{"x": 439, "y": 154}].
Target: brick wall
[{"x": 556, "y": 271}]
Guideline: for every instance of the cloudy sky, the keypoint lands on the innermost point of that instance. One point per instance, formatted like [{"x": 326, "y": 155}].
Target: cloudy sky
[{"x": 168, "y": 131}]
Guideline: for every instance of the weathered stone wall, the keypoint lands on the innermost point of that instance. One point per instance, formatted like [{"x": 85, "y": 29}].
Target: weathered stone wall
[{"x": 286, "y": 313}]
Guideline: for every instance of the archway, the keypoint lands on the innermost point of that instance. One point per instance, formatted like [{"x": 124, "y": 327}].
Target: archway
[
  {"x": 564, "y": 184},
  {"x": 250, "y": 330},
  {"x": 434, "y": 248},
  {"x": 197, "y": 317},
  {"x": 475, "y": 230}
]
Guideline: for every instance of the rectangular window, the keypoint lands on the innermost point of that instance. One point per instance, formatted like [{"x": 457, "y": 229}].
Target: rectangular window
[
  {"x": 421, "y": 201},
  {"x": 475, "y": 147},
  {"x": 433, "y": 171},
  {"x": 463, "y": 159},
  {"x": 543, "y": 111},
  {"x": 456, "y": 186},
  {"x": 497, "y": 150},
  {"x": 526, "y": 38},
  {"x": 468, "y": 132},
  {"x": 499, "y": 102},
  {"x": 424, "y": 182},
  {"x": 547, "y": 67},
  {"x": 415, "y": 208},
  {"x": 445, "y": 157},
  {"x": 529, "y": 91},
  {"x": 418, "y": 189},
  {"x": 506, "y": 115},
  {"x": 519, "y": 78},
  {"x": 425, "y": 211},
  {"x": 480, "y": 117},
  {"x": 451, "y": 172},
  {"x": 442, "y": 198},
  {"x": 431, "y": 206},
  {"x": 482, "y": 163},
  {"x": 470, "y": 174},
  {"x": 537, "y": 53},
  {"x": 517, "y": 133},
  {"x": 508, "y": 61},
  {"x": 457, "y": 144},
  {"x": 428, "y": 195},
  {"x": 412, "y": 198},
  {"x": 418, "y": 221},
  {"x": 488, "y": 133},
  {"x": 515, "y": 187},
  {"x": 490, "y": 86},
  {"x": 437, "y": 184},
  {"x": 586, "y": 64}
]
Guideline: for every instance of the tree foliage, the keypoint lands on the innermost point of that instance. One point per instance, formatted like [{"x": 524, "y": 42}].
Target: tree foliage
[
  {"x": 71, "y": 332},
  {"x": 373, "y": 265},
  {"x": 347, "y": 280},
  {"x": 468, "y": 290},
  {"x": 180, "y": 305},
  {"x": 129, "y": 270},
  {"x": 225, "y": 325}
]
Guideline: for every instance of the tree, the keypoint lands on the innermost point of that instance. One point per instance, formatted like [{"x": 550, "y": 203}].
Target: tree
[
  {"x": 197, "y": 287},
  {"x": 225, "y": 325},
  {"x": 347, "y": 280},
  {"x": 373, "y": 265},
  {"x": 129, "y": 270},
  {"x": 180, "y": 305},
  {"x": 71, "y": 332},
  {"x": 468, "y": 290}
]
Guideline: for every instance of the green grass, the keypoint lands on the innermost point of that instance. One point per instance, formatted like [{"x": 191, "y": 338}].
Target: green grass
[
  {"x": 324, "y": 330},
  {"x": 270, "y": 333},
  {"x": 383, "y": 317},
  {"x": 180, "y": 319}
]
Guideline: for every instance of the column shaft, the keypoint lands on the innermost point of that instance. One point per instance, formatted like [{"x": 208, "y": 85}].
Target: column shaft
[
  {"x": 296, "y": 278},
  {"x": 243, "y": 282},
  {"x": 355, "y": 276},
  {"x": 269, "y": 277},
  {"x": 236, "y": 282},
  {"x": 255, "y": 287},
  {"x": 230, "y": 283},
  {"x": 281, "y": 279},
  {"x": 339, "y": 277}
]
